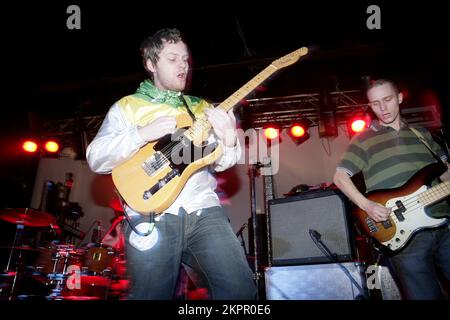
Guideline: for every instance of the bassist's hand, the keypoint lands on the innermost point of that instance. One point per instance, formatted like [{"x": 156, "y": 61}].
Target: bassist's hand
[
  {"x": 376, "y": 211},
  {"x": 158, "y": 128}
]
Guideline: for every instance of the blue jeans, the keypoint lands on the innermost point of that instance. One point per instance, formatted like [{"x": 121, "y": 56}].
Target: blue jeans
[
  {"x": 415, "y": 266},
  {"x": 202, "y": 240}
]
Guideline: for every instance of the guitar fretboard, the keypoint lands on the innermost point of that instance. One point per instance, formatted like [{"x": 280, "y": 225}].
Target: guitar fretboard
[
  {"x": 197, "y": 129},
  {"x": 202, "y": 125},
  {"x": 236, "y": 97},
  {"x": 436, "y": 193}
]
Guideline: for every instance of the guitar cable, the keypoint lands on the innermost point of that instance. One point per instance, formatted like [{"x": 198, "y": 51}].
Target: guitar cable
[
  {"x": 128, "y": 219},
  {"x": 150, "y": 228},
  {"x": 315, "y": 236}
]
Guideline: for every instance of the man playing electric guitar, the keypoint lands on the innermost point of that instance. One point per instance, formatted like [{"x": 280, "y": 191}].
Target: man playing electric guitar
[
  {"x": 390, "y": 154},
  {"x": 194, "y": 230}
]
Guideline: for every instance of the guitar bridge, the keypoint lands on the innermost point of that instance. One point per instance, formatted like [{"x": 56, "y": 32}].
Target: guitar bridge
[{"x": 156, "y": 162}]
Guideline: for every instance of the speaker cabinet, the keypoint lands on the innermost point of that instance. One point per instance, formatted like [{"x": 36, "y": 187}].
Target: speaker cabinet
[
  {"x": 330, "y": 281},
  {"x": 292, "y": 218}
]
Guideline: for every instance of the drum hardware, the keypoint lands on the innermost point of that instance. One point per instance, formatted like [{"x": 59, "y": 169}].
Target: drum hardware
[
  {"x": 24, "y": 217},
  {"x": 49, "y": 272}
]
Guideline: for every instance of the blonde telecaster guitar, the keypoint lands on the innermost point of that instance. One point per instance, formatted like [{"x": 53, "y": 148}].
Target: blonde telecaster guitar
[{"x": 151, "y": 180}]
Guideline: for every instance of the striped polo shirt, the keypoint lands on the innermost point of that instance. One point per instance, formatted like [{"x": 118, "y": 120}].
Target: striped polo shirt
[{"x": 387, "y": 158}]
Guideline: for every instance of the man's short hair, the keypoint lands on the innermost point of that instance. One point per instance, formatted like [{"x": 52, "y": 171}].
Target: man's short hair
[
  {"x": 151, "y": 46},
  {"x": 381, "y": 81}
]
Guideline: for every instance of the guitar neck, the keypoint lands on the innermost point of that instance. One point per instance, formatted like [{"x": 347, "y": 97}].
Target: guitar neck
[
  {"x": 436, "y": 193},
  {"x": 251, "y": 85},
  {"x": 202, "y": 125}
]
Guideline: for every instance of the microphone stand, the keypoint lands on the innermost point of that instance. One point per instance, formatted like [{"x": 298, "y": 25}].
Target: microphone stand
[
  {"x": 315, "y": 236},
  {"x": 239, "y": 235},
  {"x": 257, "y": 275}
]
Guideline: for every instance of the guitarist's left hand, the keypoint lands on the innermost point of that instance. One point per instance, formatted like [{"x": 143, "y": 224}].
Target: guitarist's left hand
[{"x": 223, "y": 124}]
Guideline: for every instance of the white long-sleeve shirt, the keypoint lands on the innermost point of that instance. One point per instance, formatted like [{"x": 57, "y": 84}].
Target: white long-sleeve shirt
[{"x": 117, "y": 140}]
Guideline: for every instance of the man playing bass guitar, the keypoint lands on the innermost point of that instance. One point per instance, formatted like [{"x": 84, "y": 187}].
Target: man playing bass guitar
[{"x": 393, "y": 156}]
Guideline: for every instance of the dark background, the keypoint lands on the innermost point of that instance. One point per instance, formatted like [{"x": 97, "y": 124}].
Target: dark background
[{"x": 52, "y": 73}]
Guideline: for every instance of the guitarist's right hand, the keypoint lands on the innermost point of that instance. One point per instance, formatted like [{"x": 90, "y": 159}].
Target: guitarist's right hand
[
  {"x": 158, "y": 128},
  {"x": 376, "y": 211}
]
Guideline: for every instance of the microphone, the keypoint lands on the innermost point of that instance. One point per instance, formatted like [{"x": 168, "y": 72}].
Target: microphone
[{"x": 315, "y": 234}]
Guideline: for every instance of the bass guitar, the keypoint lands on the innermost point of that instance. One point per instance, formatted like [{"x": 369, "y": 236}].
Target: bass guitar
[{"x": 408, "y": 209}]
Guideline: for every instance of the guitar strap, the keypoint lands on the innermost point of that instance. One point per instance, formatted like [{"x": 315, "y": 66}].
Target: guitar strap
[
  {"x": 421, "y": 138},
  {"x": 187, "y": 107}
]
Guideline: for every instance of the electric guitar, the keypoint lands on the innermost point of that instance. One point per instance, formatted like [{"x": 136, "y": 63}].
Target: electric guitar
[
  {"x": 408, "y": 209},
  {"x": 150, "y": 181}
]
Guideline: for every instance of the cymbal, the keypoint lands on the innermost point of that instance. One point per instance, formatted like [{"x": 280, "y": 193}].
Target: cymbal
[
  {"x": 28, "y": 217},
  {"x": 20, "y": 248}
]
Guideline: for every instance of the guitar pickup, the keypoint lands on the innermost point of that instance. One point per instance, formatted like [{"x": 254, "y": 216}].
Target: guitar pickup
[
  {"x": 161, "y": 183},
  {"x": 398, "y": 212},
  {"x": 399, "y": 215}
]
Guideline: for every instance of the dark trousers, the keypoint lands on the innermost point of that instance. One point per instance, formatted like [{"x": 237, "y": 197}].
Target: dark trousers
[
  {"x": 202, "y": 240},
  {"x": 416, "y": 265}
]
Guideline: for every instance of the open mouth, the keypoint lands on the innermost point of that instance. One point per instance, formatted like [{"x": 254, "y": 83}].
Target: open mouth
[{"x": 181, "y": 76}]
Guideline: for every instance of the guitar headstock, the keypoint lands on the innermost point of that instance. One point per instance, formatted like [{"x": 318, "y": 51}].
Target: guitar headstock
[{"x": 290, "y": 58}]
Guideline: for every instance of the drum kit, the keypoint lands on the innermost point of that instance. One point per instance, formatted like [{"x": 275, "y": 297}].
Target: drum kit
[{"x": 57, "y": 271}]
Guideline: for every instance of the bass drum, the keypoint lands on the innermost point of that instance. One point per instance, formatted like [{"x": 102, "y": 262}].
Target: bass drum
[
  {"x": 55, "y": 259},
  {"x": 88, "y": 288}
]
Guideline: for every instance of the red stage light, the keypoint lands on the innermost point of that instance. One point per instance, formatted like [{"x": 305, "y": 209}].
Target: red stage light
[
  {"x": 51, "y": 146},
  {"x": 297, "y": 131},
  {"x": 358, "y": 125},
  {"x": 271, "y": 133},
  {"x": 30, "y": 146}
]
